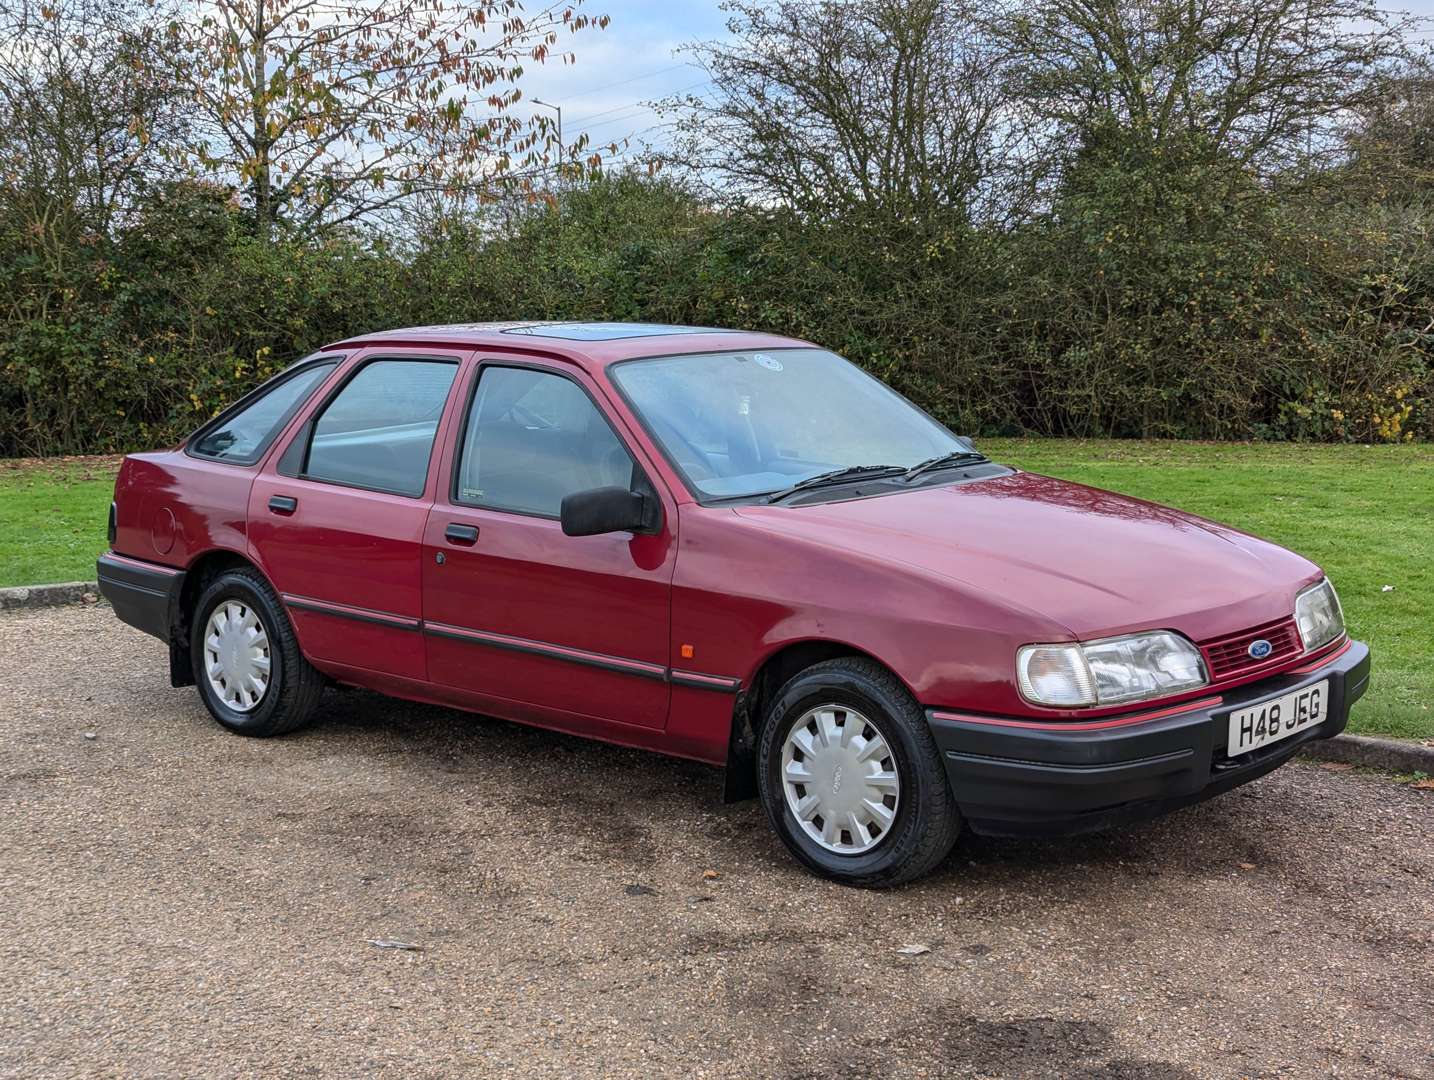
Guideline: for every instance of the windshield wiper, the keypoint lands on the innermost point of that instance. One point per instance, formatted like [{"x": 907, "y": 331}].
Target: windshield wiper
[
  {"x": 945, "y": 461},
  {"x": 837, "y": 476}
]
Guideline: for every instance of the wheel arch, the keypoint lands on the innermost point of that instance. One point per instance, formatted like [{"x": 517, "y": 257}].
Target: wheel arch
[
  {"x": 773, "y": 672},
  {"x": 201, "y": 570}
]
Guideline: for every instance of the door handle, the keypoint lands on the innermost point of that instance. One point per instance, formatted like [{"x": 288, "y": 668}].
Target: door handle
[
  {"x": 461, "y": 534},
  {"x": 282, "y": 504}
]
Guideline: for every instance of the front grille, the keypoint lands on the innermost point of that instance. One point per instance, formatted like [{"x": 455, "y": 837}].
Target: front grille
[{"x": 1229, "y": 657}]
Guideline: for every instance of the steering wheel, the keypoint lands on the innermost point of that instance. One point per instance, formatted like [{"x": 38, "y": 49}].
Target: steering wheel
[
  {"x": 693, "y": 459},
  {"x": 528, "y": 418},
  {"x": 614, "y": 464}
]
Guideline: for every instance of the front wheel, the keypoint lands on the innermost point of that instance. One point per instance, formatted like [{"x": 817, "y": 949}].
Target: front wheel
[
  {"x": 247, "y": 664},
  {"x": 851, "y": 778}
]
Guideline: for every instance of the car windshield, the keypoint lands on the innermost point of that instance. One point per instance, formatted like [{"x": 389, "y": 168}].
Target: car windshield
[{"x": 741, "y": 424}]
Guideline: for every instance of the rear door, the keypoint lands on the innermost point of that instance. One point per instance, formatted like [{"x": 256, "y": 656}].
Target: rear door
[
  {"x": 515, "y": 612},
  {"x": 337, "y": 519}
]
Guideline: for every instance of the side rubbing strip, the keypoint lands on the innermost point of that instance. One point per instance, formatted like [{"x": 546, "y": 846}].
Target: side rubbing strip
[
  {"x": 695, "y": 679},
  {"x": 637, "y": 668},
  {"x": 555, "y": 652},
  {"x": 379, "y": 618}
]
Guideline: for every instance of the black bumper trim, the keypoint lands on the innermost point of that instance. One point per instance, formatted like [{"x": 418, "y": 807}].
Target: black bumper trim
[
  {"x": 1036, "y": 781},
  {"x": 1095, "y": 772},
  {"x": 144, "y": 596}
]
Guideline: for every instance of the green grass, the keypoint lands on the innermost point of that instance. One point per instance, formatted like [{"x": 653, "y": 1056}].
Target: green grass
[
  {"x": 52, "y": 518},
  {"x": 1365, "y": 514}
]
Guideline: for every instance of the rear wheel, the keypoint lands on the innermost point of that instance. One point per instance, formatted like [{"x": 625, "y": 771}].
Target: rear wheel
[
  {"x": 247, "y": 664},
  {"x": 851, "y": 778}
]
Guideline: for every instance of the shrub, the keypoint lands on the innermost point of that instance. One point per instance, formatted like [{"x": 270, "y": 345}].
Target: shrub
[{"x": 1160, "y": 295}]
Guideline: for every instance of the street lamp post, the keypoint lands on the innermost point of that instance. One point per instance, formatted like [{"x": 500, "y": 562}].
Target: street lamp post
[{"x": 562, "y": 149}]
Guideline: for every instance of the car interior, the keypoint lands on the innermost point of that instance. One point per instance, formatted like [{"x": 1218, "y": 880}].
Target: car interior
[{"x": 533, "y": 438}]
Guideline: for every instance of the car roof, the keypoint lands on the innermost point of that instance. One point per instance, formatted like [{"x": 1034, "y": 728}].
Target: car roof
[{"x": 587, "y": 343}]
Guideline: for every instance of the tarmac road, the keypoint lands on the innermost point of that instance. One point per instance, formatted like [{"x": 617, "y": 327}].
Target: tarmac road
[{"x": 178, "y": 901}]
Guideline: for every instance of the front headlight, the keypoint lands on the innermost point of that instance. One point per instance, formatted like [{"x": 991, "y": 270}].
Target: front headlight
[
  {"x": 1318, "y": 615},
  {"x": 1109, "y": 672}
]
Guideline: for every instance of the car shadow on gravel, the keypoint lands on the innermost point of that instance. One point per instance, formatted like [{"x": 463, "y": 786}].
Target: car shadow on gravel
[
  {"x": 1044, "y": 1046},
  {"x": 626, "y": 794}
]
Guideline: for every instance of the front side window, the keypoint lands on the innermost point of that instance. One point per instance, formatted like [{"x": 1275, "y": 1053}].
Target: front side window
[
  {"x": 740, "y": 424},
  {"x": 378, "y": 430},
  {"x": 243, "y": 437},
  {"x": 532, "y": 438}
]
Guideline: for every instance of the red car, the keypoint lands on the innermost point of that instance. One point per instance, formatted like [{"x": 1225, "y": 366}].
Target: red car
[{"x": 733, "y": 547}]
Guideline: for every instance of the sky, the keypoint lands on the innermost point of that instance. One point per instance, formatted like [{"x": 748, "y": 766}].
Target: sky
[
  {"x": 619, "y": 69},
  {"x": 635, "y": 61}
]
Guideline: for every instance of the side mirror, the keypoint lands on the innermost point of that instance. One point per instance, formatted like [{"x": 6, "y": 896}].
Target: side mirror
[{"x": 609, "y": 510}]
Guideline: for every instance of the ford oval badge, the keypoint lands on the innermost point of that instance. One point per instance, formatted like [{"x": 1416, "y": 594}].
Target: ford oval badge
[{"x": 1260, "y": 648}]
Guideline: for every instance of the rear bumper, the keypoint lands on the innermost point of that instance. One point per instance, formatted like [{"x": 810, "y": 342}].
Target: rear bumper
[
  {"x": 1010, "y": 779},
  {"x": 142, "y": 594}
]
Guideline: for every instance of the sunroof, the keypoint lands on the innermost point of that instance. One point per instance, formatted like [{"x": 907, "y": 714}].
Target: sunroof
[{"x": 605, "y": 331}]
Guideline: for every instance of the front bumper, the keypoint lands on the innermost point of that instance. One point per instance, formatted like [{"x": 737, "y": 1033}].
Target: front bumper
[
  {"x": 1014, "y": 778},
  {"x": 145, "y": 595}
]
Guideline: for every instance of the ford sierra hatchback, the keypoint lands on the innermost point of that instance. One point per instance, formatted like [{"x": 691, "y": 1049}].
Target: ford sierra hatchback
[{"x": 732, "y": 547}]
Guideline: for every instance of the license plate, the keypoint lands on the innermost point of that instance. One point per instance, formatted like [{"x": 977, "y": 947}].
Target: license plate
[{"x": 1277, "y": 718}]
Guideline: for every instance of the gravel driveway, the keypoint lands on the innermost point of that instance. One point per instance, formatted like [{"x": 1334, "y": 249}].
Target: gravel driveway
[{"x": 181, "y": 902}]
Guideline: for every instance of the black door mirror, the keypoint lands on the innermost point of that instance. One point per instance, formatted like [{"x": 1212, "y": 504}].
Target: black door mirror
[{"x": 607, "y": 510}]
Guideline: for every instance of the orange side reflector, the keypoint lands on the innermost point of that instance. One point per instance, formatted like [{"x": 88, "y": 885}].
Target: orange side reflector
[{"x": 687, "y": 652}]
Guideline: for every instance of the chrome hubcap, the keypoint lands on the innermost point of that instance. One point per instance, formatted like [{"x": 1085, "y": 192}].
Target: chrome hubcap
[
  {"x": 236, "y": 655},
  {"x": 839, "y": 778}
]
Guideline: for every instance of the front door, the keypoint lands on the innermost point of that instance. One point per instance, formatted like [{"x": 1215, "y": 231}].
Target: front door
[
  {"x": 518, "y": 615},
  {"x": 337, "y": 519}
]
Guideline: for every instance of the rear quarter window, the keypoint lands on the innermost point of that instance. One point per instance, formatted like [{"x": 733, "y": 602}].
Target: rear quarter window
[{"x": 242, "y": 436}]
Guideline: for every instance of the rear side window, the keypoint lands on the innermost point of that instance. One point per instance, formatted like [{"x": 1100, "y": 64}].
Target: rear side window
[
  {"x": 243, "y": 437},
  {"x": 532, "y": 438},
  {"x": 378, "y": 430}
]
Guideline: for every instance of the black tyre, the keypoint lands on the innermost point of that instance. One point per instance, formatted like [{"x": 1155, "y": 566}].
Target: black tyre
[
  {"x": 851, "y": 778},
  {"x": 247, "y": 663}
]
